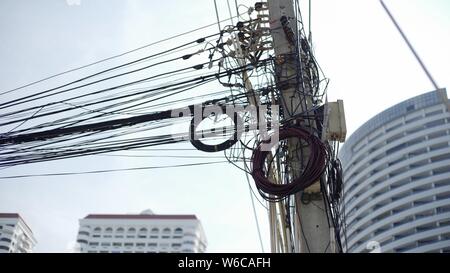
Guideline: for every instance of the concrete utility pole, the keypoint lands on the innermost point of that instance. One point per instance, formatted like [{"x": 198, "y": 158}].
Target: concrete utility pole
[{"x": 312, "y": 231}]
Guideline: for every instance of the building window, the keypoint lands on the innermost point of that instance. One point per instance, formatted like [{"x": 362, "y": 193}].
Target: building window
[
  {"x": 97, "y": 230},
  {"x": 108, "y": 232},
  {"x": 155, "y": 231},
  {"x": 152, "y": 244},
  {"x": 128, "y": 244},
  {"x": 142, "y": 233},
  {"x": 93, "y": 244},
  {"x": 410, "y": 108},
  {"x": 143, "y": 230},
  {"x": 131, "y": 233},
  {"x": 5, "y": 240},
  {"x": 166, "y": 233},
  {"x": 120, "y": 230},
  {"x": 178, "y": 231},
  {"x": 4, "y": 247},
  {"x": 117, "y": 244},
  {"x": 140, "y": 244}
]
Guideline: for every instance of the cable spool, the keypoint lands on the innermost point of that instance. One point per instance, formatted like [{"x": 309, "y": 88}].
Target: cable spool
[
  {"x": 195, "y": 138},
  {"x": 314, "y": 168}
]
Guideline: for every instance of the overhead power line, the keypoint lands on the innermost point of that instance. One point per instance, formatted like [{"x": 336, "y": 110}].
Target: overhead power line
[
  {"x": 112, "y": 57},
  {"x": 410, "y": 46},
  {"x": 112, "y": 170}
]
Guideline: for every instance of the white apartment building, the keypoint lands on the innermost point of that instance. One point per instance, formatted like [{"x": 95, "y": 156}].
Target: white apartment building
[
  {"x": 397, "y": 179},
  {"x": 15, "y": 235},
  {"x": 141, "y": 233}
]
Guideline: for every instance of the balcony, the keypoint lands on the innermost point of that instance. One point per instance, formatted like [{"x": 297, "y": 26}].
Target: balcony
[
  {"x": 8, "y": 229},
  {"x": 82, "y": 237},
  {"x": 81, "y": 241},
  {"x": 2, "y": 243},
  {"x": 189, "y": 243},
  {"x": 190, "y": 234},
  {"x": 83, "y": 232},
  {"x": 25, "y": 245},
  {"x": 85, "y": 229},
  {"x": 22, "y": 249}
]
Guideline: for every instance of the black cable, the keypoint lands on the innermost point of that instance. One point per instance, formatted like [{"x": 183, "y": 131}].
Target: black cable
[
  {"x": 33, "y": 96},
  {"x": 112, "y": 57},
  {"x": 202, "y": 78},
  {"x": 105, "y": 90},
  {"x": 111, "y": 170}
]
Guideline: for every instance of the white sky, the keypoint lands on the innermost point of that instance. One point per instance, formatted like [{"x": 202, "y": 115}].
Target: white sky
[{"x": 357, "y": 46}]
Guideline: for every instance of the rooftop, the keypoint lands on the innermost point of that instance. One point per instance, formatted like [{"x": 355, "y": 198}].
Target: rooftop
[
  {"x": 9, "y": 215},
  {"x": 15, "y": 215},
  {"x": 142, "y": 216}
]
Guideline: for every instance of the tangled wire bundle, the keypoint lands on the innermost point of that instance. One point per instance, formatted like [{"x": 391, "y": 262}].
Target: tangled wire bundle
[
  {"x": 195, "y": 137},
  {"x": 314, "y": 168}
]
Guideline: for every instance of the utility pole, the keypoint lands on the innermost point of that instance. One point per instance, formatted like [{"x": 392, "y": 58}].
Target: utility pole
[{"x": 311, "y": 232}]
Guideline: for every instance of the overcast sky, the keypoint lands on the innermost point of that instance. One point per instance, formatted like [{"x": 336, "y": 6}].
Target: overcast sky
[{"x": 357, "y": 46}]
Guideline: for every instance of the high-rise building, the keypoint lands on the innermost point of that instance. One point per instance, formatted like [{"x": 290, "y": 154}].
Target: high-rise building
[
  {"x": 141, "y": 233},
  {"x": 15, "y": 235},
  {"x": 397, "y": 179}
]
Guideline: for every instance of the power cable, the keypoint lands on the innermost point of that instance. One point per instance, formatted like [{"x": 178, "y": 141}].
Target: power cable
[
  {"x": 112, "y": 57},
  {"x": 111, "y": 170},
  {"x": 416, "y": 55}
]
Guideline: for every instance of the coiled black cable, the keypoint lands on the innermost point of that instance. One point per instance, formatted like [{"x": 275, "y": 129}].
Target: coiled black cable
[
  {"x": 195, "y": 137},
  {"x": 314, "y": 168}
]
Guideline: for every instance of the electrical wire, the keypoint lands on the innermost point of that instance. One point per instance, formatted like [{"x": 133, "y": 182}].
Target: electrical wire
[
  {"x": 110, "y": 170},
  {"x": 112, "y": 57},
  {"x": 311, "y": 172}
]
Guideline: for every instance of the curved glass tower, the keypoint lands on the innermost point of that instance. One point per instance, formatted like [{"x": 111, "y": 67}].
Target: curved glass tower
[{"x": 397, "y": 179}]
